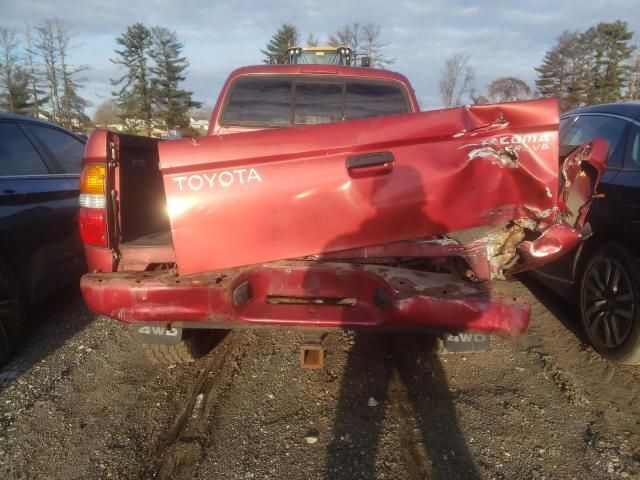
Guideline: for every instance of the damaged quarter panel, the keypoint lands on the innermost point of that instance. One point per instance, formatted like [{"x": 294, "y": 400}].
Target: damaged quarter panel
[
  {"x": 261, "y": 196},
  {"x": 580, "y": 175}
]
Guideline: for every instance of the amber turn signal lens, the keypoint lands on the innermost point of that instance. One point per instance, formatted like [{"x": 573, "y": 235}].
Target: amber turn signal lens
[{"x": 93, "y": 179}]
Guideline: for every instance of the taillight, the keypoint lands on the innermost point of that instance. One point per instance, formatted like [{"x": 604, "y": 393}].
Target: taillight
[
  {"x": 92, "y": 217},
  {"x": 93, "y": 226}
]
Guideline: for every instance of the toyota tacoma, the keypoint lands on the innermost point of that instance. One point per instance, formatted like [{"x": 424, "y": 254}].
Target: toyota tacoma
[{"x": 323, "y": 198}]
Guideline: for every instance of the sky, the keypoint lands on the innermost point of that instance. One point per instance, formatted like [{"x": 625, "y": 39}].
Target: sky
[{"x": 502, "y": 38}]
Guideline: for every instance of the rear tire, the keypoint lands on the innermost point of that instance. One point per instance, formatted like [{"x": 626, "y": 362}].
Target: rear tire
[
  {"x": 12, "y": 313},
  {"x": 193, "y": 345},
  {"x": 609, "y": 301}
]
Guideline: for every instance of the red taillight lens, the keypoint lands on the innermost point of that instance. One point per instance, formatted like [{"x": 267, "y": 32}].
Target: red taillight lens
[{"x": 93, "y": 226}]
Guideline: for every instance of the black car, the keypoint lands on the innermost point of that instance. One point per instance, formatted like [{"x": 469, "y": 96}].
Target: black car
[
  {"x": 40, "y": 248},
  {"x": 602, "y": 275}
]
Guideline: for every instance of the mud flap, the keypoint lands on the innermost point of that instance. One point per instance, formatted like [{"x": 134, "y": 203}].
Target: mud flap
[
  {"x": 466, "y": 342},
  {"x": 157, "y": 334}
]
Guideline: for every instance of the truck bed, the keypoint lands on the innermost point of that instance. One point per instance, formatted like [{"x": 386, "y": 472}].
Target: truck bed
[
  {"x": 156, "y": 239},
  {"x": 148, "y": 252}
]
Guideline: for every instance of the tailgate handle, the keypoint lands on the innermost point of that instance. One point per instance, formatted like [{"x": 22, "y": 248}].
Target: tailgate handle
[{"x": 377, "y": 159}]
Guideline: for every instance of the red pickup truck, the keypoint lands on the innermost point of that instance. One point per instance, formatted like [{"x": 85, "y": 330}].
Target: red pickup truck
[{"x": 323, "y": 198}]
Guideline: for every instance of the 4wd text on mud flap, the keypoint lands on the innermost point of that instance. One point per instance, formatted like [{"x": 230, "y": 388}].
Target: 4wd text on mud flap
[
  {"x": 158, "y": 334},
  {"x": 224, "y": 178},
  {"x": 466, "y": 342},
  {"x": 149, "y": 330},
  {"x": 467, "y": 337}
]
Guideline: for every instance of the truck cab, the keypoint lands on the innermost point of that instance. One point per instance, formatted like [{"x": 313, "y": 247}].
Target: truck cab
[{"x": 277, "y": 96}]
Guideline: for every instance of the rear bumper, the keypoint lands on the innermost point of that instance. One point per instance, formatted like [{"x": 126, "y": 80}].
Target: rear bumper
[{"x": 304, "y": 294}]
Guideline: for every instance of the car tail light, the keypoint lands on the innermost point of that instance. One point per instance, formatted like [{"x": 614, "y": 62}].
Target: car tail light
[
  {"x": 92, "y": 217},
  {"x": 93, "y": 226}
]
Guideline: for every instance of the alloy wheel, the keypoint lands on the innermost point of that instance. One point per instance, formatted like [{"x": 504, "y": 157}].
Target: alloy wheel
[{"x": 608, "y": 303}]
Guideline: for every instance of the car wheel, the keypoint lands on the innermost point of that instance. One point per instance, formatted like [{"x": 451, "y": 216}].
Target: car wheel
[
  {"x": 11, "y": 313},
  {"x": 193, "y": 345},
  {"x": 609, "y": 304}
]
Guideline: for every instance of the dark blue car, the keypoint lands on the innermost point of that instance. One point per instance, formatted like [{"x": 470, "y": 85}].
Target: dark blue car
[
  {"x": 40, "y": 248},
  {"x": 602, "y": 275}
]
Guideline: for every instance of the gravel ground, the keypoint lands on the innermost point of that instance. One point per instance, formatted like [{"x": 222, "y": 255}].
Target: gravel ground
[{"x": 81, "y": 401}]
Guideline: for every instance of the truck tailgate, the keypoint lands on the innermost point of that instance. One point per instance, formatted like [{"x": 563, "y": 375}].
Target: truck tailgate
[{"x": 262, "y": 196}]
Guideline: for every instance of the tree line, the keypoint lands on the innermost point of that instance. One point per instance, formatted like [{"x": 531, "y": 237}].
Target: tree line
[
  {"x": 37, "y": 77},
  {"x": 599, "y": 65}
]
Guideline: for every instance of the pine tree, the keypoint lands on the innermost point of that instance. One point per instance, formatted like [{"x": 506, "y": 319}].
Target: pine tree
[
  {"x": 171, "y": 103},
  {"x": 17, "y": 98},
  {"x": 609, "y": 53},
  {"x": 276, "y": 50},
  {"x": 134, "y": 98},
  {"x": 587, "y": 68},
  {"x": 563, "y": 70},
  {"x": 9, "y": 84},
  {"x": 633, "y": 84}
]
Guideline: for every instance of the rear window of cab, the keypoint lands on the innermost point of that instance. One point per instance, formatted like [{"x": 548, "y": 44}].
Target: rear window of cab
[{"x": 282, "y": 102}]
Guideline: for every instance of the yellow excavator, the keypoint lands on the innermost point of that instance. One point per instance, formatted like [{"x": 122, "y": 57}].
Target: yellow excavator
[{"x": 340, "y": 55}]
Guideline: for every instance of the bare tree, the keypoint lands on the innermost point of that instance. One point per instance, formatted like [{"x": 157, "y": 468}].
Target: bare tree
[
  {"x": 373, "y": 46},
  {"x": 348, "y": 36},
  {"x": 364, "y": 40},
  {"x": 35, "y": 73},
  {"x": 47, "y": 50},
  {"x": 456, "y": 79},
  {"x": 508, "y": 89},
  {"x": 478, "y": 98},
  {"x": 201, "y": 113},
  {"x": 107, "y": 113},
  {"x": 62, "y": 44},
  {"x": 312, "y": 40},
  {"x": 72, "y": 104}
]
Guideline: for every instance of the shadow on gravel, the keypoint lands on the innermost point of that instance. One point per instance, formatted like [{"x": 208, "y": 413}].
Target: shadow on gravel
[
  {"x": 562, "y": 309},
  {"x": 49, "y": 325},
  {"x": 399, "y": 372},
  {"x": 383, "y": 367}
]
